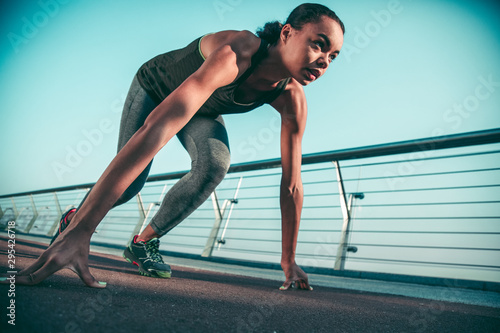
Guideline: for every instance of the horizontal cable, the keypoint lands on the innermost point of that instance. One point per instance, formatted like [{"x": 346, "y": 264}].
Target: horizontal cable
[
  {"x": 277, "y": 208},
  {"x": 253, "y": 240},
  {"x": 274, "y": 241},
  {"x": 279, "y": 229},
  {"x": 107, "y": 238},
  {"x": 426, "y": 232},
  {"x": 422, "y": 174},
  {"x": 190, "y": 236},
  {"x": 422, "y": 262},
  {"x": 180, "y": 226},
  {"x": 249, "y": 251},
  {"x": 252, "y": 229},
  {"x": 321, "y": 182},
  {"x": 429, "y": 204},
  {"x": 434, "y": 188},
  {"x": 421, "y": 159},
  {"x": 255, "y": 176},
  {"x": 316, "y": 256},
  {"x": 279, "y": 219},
  {"x": 232, "y": 218},
  {"x": 428, "y": 247},
  {"x": 320, "y": 194},
  {"x": 429, "y": 218},
  {"x": 253, "y": 198},
  {"x": 122, "y": 216},
  {"x": 186, "y": 245},
  {"x": 121, "y": 224},
  {"x": 99, "y": 233}
]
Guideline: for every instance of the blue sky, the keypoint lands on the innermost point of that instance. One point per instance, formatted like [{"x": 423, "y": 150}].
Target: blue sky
[{"x": 408, "y": 70}]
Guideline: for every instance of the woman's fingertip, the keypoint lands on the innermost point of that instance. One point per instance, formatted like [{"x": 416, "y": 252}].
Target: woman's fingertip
[{"x": 103, "y": 284}]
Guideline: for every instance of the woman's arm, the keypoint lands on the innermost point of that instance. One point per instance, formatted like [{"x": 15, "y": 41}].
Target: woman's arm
[
  {"x": 293, "y": 109},
  {"x": 230, "y": 56},
  {"x": 168, "y": 118}
]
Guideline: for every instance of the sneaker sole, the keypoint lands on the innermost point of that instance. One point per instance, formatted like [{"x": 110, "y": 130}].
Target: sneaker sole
[{"x": 131, "y": 258}]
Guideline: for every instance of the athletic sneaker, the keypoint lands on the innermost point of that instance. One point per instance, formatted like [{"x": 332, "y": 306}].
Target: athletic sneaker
[
  {"x": 63, "y": 223},
  {"x": 146, "y": 255}
]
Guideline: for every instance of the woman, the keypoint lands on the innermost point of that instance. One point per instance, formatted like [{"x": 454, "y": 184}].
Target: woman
[{"x": 184, "y": 93}]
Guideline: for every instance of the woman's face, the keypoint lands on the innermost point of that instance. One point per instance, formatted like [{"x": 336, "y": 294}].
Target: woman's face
[{"x": 308, "y": 52}]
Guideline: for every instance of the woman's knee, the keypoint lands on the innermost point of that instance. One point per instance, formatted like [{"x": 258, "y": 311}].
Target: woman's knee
[
  {"x": 214, "y": 168},
  {"x": 218, "y": 170}
]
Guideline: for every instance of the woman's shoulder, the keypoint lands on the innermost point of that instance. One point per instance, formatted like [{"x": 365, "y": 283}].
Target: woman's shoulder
[
  {"x": 294, "y": 90},
  {"x": 292, "y": 99},
  {"x": 243, "y": 42}
]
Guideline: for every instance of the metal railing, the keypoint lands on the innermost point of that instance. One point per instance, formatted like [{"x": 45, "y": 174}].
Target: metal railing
[{"x": 428, "y": 207}]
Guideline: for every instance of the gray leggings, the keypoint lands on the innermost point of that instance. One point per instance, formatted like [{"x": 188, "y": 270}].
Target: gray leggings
[{"x": 205, "y": 139}]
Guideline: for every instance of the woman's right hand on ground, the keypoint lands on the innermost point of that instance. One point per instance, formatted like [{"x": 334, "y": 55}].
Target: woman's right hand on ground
[
  {"x": 70, "y": 250},
  {"x": 295, "y": 276}
]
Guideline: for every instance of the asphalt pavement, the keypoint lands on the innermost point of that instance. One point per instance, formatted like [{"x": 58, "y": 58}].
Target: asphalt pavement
[{"x": 207, "y": 297}]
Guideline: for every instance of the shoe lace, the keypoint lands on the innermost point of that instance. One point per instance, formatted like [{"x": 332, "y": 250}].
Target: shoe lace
[{"x": 153, "y": 250}]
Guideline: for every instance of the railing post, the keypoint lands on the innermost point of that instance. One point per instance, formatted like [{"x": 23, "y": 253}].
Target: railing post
[
  {"x": 344, "y": 205},
  {"x": 35, "y": 215},
  {"x": 219, "y": 213},
  {"x": 14, "y": 208},
  {"x": 55, "y": 225},
  {"x": 233, "y": 202}
]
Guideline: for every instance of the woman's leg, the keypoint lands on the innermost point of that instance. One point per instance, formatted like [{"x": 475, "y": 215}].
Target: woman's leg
[
  {"x": 137, "y": 108},
  {"x": 138, "y": 105},
  {"x": 206, "y": 141}
]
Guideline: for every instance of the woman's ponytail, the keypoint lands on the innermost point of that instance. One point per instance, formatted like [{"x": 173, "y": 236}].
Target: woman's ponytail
[{"x": 270, "y": 32}]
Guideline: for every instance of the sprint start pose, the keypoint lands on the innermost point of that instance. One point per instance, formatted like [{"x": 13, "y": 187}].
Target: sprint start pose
[{"x": 185, "y": 93}]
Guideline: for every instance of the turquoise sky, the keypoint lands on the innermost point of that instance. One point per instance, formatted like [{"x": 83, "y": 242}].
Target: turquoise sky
[{"x": 408, "y": 70}]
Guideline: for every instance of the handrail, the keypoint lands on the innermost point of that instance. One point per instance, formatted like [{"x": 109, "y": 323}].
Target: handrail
[{"x": 401, "y": 147}]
